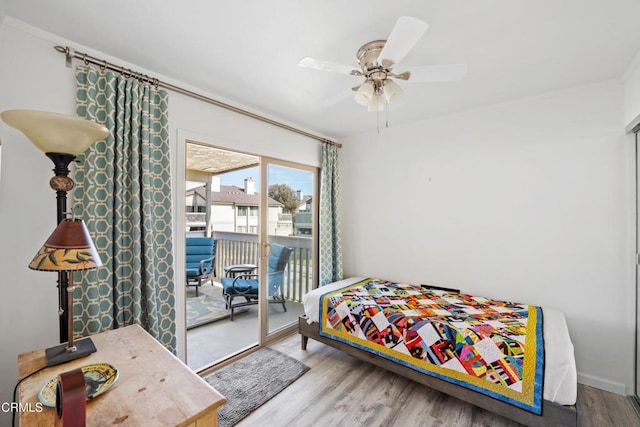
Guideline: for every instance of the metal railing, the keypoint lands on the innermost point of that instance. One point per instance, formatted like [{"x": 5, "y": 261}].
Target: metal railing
[{"x": 241, "y": 248}]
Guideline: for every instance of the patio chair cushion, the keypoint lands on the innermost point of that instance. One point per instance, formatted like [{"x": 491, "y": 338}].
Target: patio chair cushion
[
  {"x": 277, "y": 263},
  {"x": 241, "y": 285},
  {"x": 246, "y": 285},
  {"x": 198, "y": 249}
]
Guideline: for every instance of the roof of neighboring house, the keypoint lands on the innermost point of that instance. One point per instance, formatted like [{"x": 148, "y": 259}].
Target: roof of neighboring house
[
  {"x": 232, "y": 195},
  {"x": 305, "y": 201}
]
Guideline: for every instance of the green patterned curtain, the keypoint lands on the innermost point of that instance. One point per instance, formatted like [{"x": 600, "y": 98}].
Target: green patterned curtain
[
  {"x": 124, "y": 190},
  {"x": 330, "y": 244}
]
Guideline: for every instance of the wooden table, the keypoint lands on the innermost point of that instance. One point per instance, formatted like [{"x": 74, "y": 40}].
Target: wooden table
[{"x": 154, "y": 387}]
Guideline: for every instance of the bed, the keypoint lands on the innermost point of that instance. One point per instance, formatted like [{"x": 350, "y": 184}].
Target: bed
[{"x": 558, "y": 388}]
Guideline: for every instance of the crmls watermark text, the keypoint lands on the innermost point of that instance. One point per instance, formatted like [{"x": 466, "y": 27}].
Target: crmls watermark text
[{"x": 21, "y": 407}]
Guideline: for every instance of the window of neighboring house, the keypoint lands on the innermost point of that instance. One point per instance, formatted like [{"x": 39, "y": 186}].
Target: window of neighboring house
[
  {"x": 242, "y": 211},
  {"x": 202, "y": 208},
  {"x": 253, "y": 211},
  {"x": 253, "y": 229},
  {"x": 241, "y": 229}
]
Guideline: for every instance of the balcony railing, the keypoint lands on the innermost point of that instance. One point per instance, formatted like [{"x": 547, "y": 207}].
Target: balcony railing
[
  {"x": 303, "y": 218},
  {"x": 241, "y": 248}
]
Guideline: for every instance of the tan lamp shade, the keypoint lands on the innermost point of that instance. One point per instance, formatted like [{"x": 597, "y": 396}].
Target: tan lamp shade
[
  {"x": 54, "y": 132},
  {"x": 69, "y": 248}
]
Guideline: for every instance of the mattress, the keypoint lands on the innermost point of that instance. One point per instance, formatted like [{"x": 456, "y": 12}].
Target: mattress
[{"x": 560, "y": 377}]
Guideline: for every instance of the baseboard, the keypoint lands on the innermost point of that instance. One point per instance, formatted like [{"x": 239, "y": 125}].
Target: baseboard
[{"x": 602, "y": 384}]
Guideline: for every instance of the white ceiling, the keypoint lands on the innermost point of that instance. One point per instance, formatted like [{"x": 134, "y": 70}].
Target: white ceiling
[{"x": 247, "y": 51}]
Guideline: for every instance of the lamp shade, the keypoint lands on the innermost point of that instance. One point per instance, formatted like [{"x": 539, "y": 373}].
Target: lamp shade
[
  {"x": 392, "y": 92},
  {"x": 68, "y": 248},
  {"x": 54, "y": 132},
  {"x": 365, "y": 93}
]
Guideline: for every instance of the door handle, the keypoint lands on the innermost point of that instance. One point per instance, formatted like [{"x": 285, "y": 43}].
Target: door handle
[{"x": 266, "y": 253}]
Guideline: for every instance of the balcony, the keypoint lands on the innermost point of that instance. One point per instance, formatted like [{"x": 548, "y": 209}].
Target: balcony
[
  {"x": 217, "y": 340},
  {"x": 241, "y": 248},
  {"x": 303, "y": 223}
]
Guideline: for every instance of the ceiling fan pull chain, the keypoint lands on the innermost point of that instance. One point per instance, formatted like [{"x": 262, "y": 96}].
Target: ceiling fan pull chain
[
  {"x": 377, "y": 100},
  {"x": 386, "y": 113}
]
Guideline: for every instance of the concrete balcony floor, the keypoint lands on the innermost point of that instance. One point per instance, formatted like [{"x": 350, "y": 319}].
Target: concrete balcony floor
[{"x": 218, "y": 340}]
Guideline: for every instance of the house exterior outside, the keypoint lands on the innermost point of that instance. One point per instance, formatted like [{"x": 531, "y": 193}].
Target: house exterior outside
[
  {"x": 303, "y": 219},
  {"x": 233, "y": 209}
]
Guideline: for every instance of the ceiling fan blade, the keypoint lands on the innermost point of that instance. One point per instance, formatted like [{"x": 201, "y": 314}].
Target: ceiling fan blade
[
  {"x": 438, "y": 73},
  {"x": 318, "y": 64},
  {"x": 402, "y": 76},
  {"x": 403, "y": 37}
]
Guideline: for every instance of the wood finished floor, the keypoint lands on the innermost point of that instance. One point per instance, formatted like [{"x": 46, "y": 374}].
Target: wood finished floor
[{"x": 340, "y": 390}]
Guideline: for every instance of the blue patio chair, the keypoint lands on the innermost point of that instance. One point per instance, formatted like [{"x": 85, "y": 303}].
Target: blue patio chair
[
  {"x": 201, "y": 258},
  {"x": 246, "y": 285}
]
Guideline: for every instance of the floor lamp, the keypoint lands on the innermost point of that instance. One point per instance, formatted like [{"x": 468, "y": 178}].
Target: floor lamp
[{"x": 61, "y": 137}]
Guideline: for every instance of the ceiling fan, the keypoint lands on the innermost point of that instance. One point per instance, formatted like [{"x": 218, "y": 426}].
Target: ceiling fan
[{"x": 377, "y": 60}]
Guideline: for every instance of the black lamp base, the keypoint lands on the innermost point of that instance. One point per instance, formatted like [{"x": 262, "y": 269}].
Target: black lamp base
[{"x": 59, "y": 354}]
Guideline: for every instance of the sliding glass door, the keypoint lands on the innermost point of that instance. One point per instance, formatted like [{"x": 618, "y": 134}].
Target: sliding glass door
[
  {"x": 289, "y": 237},
  {"x": 261, "y": 214},
  {"x": 222, "y": 203}
]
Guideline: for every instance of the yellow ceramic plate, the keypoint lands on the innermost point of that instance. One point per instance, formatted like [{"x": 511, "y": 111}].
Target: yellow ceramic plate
[{"x": 99, "y": 377}]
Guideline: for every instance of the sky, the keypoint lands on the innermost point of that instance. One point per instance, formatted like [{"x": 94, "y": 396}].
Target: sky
[{"x": 294, "y": 178}]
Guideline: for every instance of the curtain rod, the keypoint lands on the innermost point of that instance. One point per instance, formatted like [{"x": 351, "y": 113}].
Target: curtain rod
[{"x": 71, "y": 53}]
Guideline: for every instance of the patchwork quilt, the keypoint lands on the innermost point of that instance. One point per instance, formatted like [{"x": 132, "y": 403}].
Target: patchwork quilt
[{"x": 493, "y": 347}]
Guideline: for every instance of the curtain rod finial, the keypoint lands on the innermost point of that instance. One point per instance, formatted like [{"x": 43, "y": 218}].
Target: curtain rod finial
[{"x": 69, "y": 53}]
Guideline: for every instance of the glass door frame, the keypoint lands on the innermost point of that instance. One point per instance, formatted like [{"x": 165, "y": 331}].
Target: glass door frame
[
  {"x": 634, "y": 397},
  {"x": 185, "y": 137},
  {"x": 263, "y": 303}
]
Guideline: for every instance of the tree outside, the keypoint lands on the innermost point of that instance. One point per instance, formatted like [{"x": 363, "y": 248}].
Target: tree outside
[{"x": 285, "y": 195}]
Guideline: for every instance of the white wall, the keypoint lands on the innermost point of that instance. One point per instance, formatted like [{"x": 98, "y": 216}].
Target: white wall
[
  {"x": 631, "y": 120},
  {"x": 528, "y": 201},
  {"x": 28, "y": 308},
  {"x": 33, "y": 76},
  {"x": 223, "y": 218},
  {"x": 632, "y": 93}
]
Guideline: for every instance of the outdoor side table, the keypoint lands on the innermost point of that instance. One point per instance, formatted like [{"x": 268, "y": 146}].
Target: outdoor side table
[{"x": 236, "y": 269}]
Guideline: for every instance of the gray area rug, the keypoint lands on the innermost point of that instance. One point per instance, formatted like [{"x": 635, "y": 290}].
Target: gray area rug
[{"x": 251, "y": 381}]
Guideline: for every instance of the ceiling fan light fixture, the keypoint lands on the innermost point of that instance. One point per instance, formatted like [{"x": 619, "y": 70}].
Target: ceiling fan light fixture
[
  {"x": 376, "y": 104},
  {"x": 365, "y": 93},
  {"x": 392, "y": 91},
  {"x": 377, "y": 60}
]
